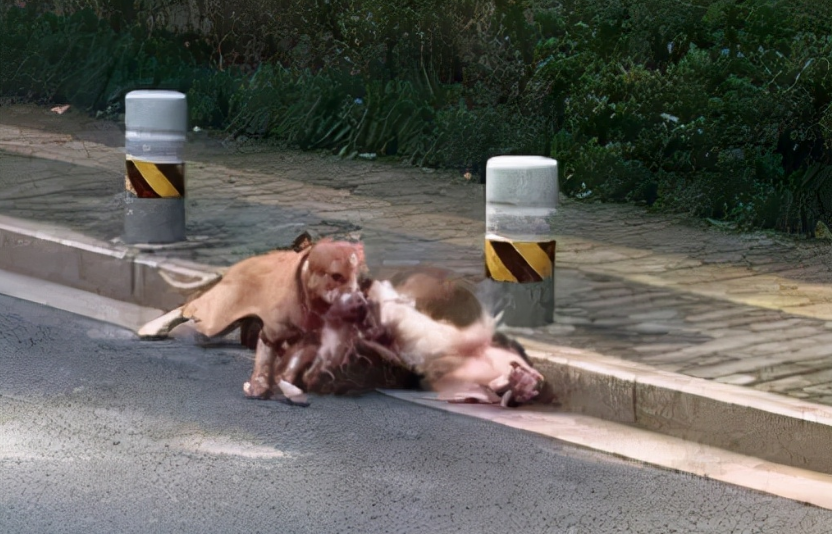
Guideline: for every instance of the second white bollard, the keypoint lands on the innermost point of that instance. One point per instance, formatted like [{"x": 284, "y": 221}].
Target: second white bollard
[{"x": 521, "y": 197}]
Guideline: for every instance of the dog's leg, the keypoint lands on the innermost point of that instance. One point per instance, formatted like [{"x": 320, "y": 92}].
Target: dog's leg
[
  {"x": 501, "y": 372},
  {"x": 294, "y": 363},
  {"x": 464, "y": 393},
  {"x": 383, "y": 352},
  {"x": 250, "y": 328},
  {"x": 260, "y": 383},
  {"x": 161, "y": 326}
]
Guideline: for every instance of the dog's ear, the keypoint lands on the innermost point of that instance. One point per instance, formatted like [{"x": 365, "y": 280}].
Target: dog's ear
[
  {"x": 359, "y": 251},
  {"x": 359, "y": 260},
  {"x": 302, "y": 242}
]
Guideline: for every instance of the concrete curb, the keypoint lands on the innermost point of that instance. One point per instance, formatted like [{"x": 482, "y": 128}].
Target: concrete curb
[
  {"x": 764, "y": 425},
  {"x": 118, "y": 272},
  {"x": 760, "y": 424}
]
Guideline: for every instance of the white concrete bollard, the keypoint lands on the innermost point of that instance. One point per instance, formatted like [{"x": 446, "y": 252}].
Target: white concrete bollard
[
  {"x": 521, "y": 196},
  {"x": 156, "y": 123}
]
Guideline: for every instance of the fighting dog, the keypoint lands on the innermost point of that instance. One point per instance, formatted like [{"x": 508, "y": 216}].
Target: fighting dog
[
  {"x": 428, "y": 330},
  {"x": 460, "y": 361},
  {"x": 287, "y": 293}
]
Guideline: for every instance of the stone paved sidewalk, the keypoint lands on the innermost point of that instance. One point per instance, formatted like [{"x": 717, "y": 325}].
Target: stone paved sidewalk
[{"x": 747, "y": 309}]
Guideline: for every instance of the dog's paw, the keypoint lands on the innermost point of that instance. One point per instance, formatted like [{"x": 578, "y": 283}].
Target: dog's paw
[
  {"x": 294, "y": 395},
  {"x": 520, "y": 385},
  {"x": 257, "y": 388},
  {"x": 524, "y": 383}
]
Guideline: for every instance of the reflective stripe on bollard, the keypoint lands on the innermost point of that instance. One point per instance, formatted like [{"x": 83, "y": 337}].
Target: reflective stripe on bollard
[{"x": 518, "y": 261}]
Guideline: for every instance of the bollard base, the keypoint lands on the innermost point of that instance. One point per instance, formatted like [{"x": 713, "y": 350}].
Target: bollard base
[
  {"x": 154, "y": 220},
  {"x": 527, "y": 305}
]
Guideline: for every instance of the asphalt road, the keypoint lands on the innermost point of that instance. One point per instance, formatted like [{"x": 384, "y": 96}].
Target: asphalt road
[{"x": 101, "y": 432}]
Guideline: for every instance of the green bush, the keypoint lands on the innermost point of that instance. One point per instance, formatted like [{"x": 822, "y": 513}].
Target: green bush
[
  {"x": 719, "y": 108},
  {"x": 81, "y": 59}
]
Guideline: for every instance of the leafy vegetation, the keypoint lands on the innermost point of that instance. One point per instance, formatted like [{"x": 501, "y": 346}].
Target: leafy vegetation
[{"x": 721, "y": 108}]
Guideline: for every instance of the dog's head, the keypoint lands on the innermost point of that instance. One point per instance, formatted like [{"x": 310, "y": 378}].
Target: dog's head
[
  {"x": 332, "y": 269},
  {"x": 348, "y": 308}
]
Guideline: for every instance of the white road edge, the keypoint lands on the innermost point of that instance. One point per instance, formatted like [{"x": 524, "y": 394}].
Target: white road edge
[{"x": 649, "y": 447}]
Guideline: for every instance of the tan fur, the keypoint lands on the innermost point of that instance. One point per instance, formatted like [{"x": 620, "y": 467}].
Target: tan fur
[
  {"x": 259, "y": 286},
  {"x": 285, "y": 289},
  {"x": 440, "y": 294}
]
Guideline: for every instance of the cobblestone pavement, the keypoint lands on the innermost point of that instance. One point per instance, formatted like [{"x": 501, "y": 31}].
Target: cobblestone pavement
[{"x": 750, "y": 309}]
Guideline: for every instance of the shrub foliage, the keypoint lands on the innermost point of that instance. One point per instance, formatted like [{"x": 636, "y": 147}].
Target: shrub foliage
[{"x": 722, "y": 108}]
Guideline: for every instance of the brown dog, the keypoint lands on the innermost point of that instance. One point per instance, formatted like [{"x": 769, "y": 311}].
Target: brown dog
[
  {"x": 286, "y": 291},
  {"x": 351, "y": 353}
]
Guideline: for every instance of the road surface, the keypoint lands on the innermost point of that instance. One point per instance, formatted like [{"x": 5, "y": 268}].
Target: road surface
[{"x": 101, "y": 432}]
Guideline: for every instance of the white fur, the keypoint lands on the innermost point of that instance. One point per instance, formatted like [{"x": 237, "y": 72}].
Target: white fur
[
  {"x": 332, "y": 338},
  {"x": 330, "y": 341},
  {"x": 330, "y": 296},
  {"x": 291, "y": 391},
  {"x": 419, "y": 337},
  {"x": 459, "y": 363}
]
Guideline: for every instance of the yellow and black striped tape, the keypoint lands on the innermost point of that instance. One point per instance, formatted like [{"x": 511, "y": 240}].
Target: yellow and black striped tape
[
  {"x": 155, "y": 180},
  {"x": 519, "y": 261}
]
